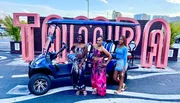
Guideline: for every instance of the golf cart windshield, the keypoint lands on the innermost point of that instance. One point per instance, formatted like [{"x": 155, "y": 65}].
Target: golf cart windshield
[{"x": 50, "y": 37}]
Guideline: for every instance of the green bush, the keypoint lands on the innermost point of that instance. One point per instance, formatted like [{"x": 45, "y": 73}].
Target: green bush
[{"x": 175, "y": 31}]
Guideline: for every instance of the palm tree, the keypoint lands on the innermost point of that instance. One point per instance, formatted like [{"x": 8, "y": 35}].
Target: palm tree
[
  {"x": 12, "y": 31},
  {"x": 175, "y": 31}
]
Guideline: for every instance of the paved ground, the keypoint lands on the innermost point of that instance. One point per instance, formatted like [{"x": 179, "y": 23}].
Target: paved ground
[{"x": 144, "y": 85}]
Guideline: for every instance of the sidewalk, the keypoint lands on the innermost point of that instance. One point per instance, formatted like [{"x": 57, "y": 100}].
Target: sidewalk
[{"x": 5, "y": 46}]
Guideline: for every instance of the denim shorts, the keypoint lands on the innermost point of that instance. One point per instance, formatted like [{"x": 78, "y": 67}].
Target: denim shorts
[{"x": 120, "y": 65}]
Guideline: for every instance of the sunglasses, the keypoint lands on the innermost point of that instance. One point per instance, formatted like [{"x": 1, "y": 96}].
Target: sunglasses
[
  {"x": 98, "y": 40},
  {"x": 120, "y": 39}
]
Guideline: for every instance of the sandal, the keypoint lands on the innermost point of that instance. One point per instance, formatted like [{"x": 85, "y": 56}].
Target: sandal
[
  {"x": 84, "y": 93},
  {"x": 116, "y": 92},
  {"x": 94, "y": 92},
  {"x": 123, "y": 87},
  {"x": 78, "y": 93}
]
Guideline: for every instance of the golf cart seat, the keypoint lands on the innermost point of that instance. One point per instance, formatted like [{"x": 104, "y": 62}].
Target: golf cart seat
[
  {"x": 108, "y": 45},
  {"x": 132, "y": 48}
]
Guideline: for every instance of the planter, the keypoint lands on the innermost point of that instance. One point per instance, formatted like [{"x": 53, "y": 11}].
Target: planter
[
  {"x": 15, "y": 47},
  {"x": 173, "y": 54}
]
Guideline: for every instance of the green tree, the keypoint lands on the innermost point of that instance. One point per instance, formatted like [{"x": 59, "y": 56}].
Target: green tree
[
  {"x": 175, "y": 31},
  {"x": 12, "y": 31},
  {"x": 23, "y": 22}
]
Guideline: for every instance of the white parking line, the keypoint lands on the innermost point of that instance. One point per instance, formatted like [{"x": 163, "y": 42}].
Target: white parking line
[
  {"x": 19, "y": 62},
  {"x": 150, "y": 75},
  {"x": 3, "y": 57},
  {"x": 109, "y": 91},
  {"x": 31, "y": 96},
  {"x": 19, "y": 76},
  {"x": 120, "y": 100},
  {"x": 19, "y": 90},
  {"x": 129, "y": 76},
  {"x": 152, "y": 69}
]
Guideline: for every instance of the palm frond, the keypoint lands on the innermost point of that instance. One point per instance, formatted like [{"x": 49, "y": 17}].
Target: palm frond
[
  {"x": 175, "y": 31},
  {"x": 12, "y": 31}
]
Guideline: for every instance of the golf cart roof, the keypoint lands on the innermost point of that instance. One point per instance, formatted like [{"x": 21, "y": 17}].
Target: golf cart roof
[{"x": 90, "y": 22}]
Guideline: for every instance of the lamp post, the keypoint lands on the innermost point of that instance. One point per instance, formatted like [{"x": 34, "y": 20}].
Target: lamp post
[
  {"x": 87, "y": 8},
  {"x": 107, "y": 14}
]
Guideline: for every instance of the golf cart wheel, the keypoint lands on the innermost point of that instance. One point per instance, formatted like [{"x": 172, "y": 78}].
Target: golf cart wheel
[{"x": 39, "y": 84}]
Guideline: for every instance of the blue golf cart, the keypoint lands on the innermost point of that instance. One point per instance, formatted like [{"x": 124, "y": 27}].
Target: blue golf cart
[{"x": 42, "y": 68}]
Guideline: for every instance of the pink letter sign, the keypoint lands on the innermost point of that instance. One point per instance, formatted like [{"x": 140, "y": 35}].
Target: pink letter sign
[
  {"x": 124, "y": 29},
  {"x": 100, "y": 29},
  {"x": 27, "y": 34},
  {"x": 159, "y": 49},
  {"x": 56, "y": 45},
  {"x": 83, "y": 28}
]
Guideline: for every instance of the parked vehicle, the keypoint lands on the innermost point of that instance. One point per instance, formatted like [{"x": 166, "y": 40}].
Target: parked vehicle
[
  {"x": 3, "y": 32},
  {"x": 42, "y": 67},
  {"x": 177, "y": 39}
]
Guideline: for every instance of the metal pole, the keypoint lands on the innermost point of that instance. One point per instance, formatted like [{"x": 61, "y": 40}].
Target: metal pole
[
  {"x": 87, "y": 8},
  {"x": 107, "y": 14}
]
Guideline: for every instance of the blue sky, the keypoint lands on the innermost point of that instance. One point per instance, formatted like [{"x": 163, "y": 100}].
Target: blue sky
[{"x": 72, "y": 8}]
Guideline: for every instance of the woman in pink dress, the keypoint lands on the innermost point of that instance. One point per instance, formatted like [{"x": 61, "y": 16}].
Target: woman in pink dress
[{"x": 98, "y": 77}]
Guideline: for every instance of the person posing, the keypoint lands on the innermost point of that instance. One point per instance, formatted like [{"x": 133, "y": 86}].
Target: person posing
[
  {"x": 121, "y": 64},
  {"x": 78, "y": 65},
  {"x": 98, "y": 77}
]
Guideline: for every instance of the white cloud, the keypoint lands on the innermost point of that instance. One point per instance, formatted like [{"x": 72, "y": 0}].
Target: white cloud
[
  {"x": 3, "y": 14},
  {"x": 105, "y": 1},
  {"x": 26, "y": 11},
  {"x": 43, "y": 10},
  {"x": 7, "y": 8},
  {"x": 173, "y": 1},
  {"x": 127, "y": 14}
]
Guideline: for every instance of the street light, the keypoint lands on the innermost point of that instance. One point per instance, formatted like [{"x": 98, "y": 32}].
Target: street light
[
  {"x": 87, "y": 8},
  {"x": 107, "y": 13}
]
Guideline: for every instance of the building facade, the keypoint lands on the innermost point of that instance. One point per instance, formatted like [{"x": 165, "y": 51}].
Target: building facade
[
  {"x": 167, "y": 18},
  {"x": 142, "y": 17}
]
